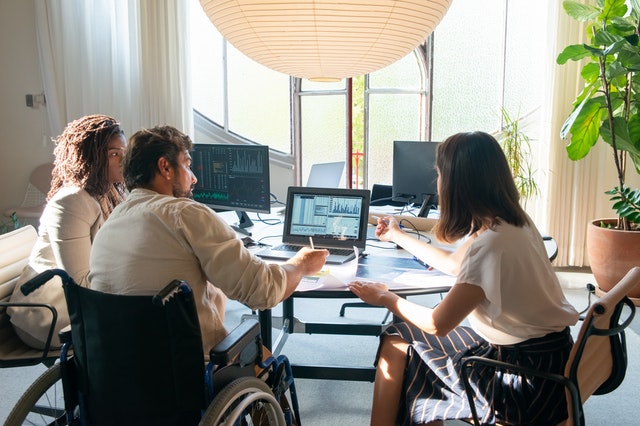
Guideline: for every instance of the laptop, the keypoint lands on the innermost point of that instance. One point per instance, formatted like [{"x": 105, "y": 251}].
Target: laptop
[
  {"x": 326, "y": 175},
  {"x": 335, "y": 218}
]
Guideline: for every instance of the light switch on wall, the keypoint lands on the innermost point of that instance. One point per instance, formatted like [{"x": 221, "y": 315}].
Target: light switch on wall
[{"x": 34, "y": 101}]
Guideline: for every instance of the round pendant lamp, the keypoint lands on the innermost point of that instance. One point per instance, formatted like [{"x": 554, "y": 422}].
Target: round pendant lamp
[{"x": 325, "y": 40}]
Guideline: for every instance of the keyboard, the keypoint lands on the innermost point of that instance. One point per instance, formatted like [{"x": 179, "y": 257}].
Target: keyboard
[{"x": 333, "y": 251}]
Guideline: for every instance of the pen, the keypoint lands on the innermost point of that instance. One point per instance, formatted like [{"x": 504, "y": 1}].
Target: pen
[
  {"x": 311, "y": 243},
  {"x": 379, "y": 218}
]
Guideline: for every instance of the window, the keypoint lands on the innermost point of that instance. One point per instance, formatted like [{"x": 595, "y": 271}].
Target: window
[{"x": 353, "y": 120}]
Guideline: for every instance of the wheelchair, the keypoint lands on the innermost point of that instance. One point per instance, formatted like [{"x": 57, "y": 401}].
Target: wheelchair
[{"x": 138, "y": 360}]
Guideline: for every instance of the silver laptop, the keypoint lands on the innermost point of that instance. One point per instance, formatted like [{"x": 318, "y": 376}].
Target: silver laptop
[
  {"x": 335, "y": 218},
  {"x": 326, "y": 175}
]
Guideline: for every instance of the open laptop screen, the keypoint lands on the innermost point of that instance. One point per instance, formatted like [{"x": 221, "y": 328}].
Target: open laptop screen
[{"x": 334, "y": 217}]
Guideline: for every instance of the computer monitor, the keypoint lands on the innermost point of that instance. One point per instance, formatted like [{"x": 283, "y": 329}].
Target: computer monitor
[
  {"x": 232, "y": 177},
  {"x": 414, "y": 174}
]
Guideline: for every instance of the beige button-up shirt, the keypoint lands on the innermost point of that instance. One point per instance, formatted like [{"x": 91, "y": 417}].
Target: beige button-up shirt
[{"x": 152, "y": 239}]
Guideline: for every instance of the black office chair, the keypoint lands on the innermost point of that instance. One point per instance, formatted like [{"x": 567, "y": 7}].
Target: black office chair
[
  {"x": 382, "y": 195},
  {"x": 138, "y": 360}
]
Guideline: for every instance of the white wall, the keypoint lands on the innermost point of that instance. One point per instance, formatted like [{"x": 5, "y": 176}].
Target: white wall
[{"x": 23, "y": 139}]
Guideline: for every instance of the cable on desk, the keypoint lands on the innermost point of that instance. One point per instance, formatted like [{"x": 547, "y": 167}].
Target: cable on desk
[
  {"x": 275, "y": 199},
  {"x": 415, "y": 230},
  {"x": 268, "y": 236},
  {"x": 268, "y": 221}
]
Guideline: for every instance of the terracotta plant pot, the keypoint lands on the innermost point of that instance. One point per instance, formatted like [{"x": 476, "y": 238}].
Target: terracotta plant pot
[{"x": 612, "y": 253}]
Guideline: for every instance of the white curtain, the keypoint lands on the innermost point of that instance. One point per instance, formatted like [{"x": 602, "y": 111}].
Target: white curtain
[{"x": 123, "y": 58}]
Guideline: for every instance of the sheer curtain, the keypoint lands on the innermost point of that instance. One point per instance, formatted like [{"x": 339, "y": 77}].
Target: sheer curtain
[
  {"x": 127, "y": 59},
  {"x": 575, "y": 189}
]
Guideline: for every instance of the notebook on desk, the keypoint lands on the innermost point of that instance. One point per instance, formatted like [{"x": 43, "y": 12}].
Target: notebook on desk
[{"x": 335, "y": 218}]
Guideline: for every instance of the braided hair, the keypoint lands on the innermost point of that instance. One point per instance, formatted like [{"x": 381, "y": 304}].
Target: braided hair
[{"x": 82, "y": 160}]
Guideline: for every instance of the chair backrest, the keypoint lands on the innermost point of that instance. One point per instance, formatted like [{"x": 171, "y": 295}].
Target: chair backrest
[
  {"x": 41, "y": 177},
  {"x": 137, "y": 362},
  {"x": 598, "y": 360},
  {"x": 15, "y": 248}
]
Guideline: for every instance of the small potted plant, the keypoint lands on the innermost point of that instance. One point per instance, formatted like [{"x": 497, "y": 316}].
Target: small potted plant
[
  {"x": 517, "y": 148},
  {"x": 608, "y": 109}
]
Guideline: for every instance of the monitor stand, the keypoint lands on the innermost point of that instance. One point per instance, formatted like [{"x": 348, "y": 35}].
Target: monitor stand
[
  {"x": 243, "y": 222},
  {"x": 429, "y": 201}
]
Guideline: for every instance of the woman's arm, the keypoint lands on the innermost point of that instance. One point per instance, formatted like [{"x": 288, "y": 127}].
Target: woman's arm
[
  {"x": 454, "y": 308},
  {"x": 438, "y": 258},
  {"x": 72, "y": 220}
]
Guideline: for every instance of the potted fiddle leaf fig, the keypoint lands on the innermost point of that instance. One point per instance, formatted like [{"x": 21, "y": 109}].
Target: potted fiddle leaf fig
[{"x": 608, "y": 110}]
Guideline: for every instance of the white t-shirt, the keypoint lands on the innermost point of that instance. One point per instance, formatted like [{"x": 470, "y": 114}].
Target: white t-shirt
[{"x": 524, "y": 299}]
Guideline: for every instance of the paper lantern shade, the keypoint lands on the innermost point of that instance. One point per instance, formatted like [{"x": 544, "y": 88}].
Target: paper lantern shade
[{"x": 325, "y": 39}]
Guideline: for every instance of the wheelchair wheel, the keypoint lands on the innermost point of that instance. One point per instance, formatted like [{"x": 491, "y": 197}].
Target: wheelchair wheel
[
  {"x": 42, "y": 403},
  {"x": 245, "y": 401}
]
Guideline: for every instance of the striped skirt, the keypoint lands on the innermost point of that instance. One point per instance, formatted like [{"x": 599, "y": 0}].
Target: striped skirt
[{"x": 433, "y": 389}]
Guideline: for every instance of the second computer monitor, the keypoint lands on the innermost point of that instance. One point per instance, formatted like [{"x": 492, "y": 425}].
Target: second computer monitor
[
  {"x": 414, "y": 172},
  {"x": 232, "y": 177}
]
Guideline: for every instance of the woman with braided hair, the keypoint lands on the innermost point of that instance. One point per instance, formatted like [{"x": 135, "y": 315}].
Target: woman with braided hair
[{"x": 86, "y": 185}]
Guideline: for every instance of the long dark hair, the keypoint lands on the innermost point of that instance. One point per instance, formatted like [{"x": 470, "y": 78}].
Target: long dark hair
[
  {"x": 82, "y": 156},
  {"x": 476, "y": 186}
]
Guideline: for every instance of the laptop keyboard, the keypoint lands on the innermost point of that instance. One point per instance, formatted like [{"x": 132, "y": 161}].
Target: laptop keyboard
[{"x": 291, "y": 247}]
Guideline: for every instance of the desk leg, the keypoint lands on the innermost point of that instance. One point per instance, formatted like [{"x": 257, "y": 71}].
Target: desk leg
[
  {"x": 287, "y": 313},
  {"x": 264, "y": 316}
]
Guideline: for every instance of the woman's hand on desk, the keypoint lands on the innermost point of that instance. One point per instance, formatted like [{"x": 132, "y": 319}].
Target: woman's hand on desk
[
  {"x": 387, "y": 228},
  {"x": 370, "y": 292}
]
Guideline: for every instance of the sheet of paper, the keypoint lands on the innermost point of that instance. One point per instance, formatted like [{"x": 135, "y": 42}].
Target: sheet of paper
[
  {"x": 331, "y": 276},
  {"x": 401, "y": 273},
  {"x": 397, "y": 272}
]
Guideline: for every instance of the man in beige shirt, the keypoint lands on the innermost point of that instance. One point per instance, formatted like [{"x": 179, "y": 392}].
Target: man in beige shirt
[{"x": 160, "y": 234}]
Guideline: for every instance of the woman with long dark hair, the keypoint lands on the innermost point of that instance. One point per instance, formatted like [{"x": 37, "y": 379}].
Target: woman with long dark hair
[
  {"x": 86, "y": 185},
  {"x": 505, "y": 287}
]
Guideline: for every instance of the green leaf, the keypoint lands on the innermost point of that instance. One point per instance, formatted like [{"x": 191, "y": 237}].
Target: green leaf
[
  {"x": 636, "y": 161},
  {"x": 579, "y": 11},
  {"x": 585, "y": 129},
  {"x": 622, "y": 25},
  {"x": 594, "y": 51},
  {"x": 623, "y": 140},
  {"x": 591, "y": 72},
  {"x": 629, "y": 56},
  {"x": 575, "y": 52},
  {"x": 614, "y": 8},
  {"x": 614, "y": 70},
  {"x": 605, "y": 38},
  {"x": 583, "y": 98},
  {"x": 635, "y": 9}
]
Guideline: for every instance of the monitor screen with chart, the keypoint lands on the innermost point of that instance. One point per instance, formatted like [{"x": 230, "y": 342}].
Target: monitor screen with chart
[{"x": 232, "y": 177}]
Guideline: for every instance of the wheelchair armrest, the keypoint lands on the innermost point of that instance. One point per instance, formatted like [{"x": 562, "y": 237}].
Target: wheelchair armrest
[
  {"x": 40, "y": 279},
  {"x": 231, "y": 346},
  {"x": 65, "y": 334},
  {"x": 54, "y": 319}
]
